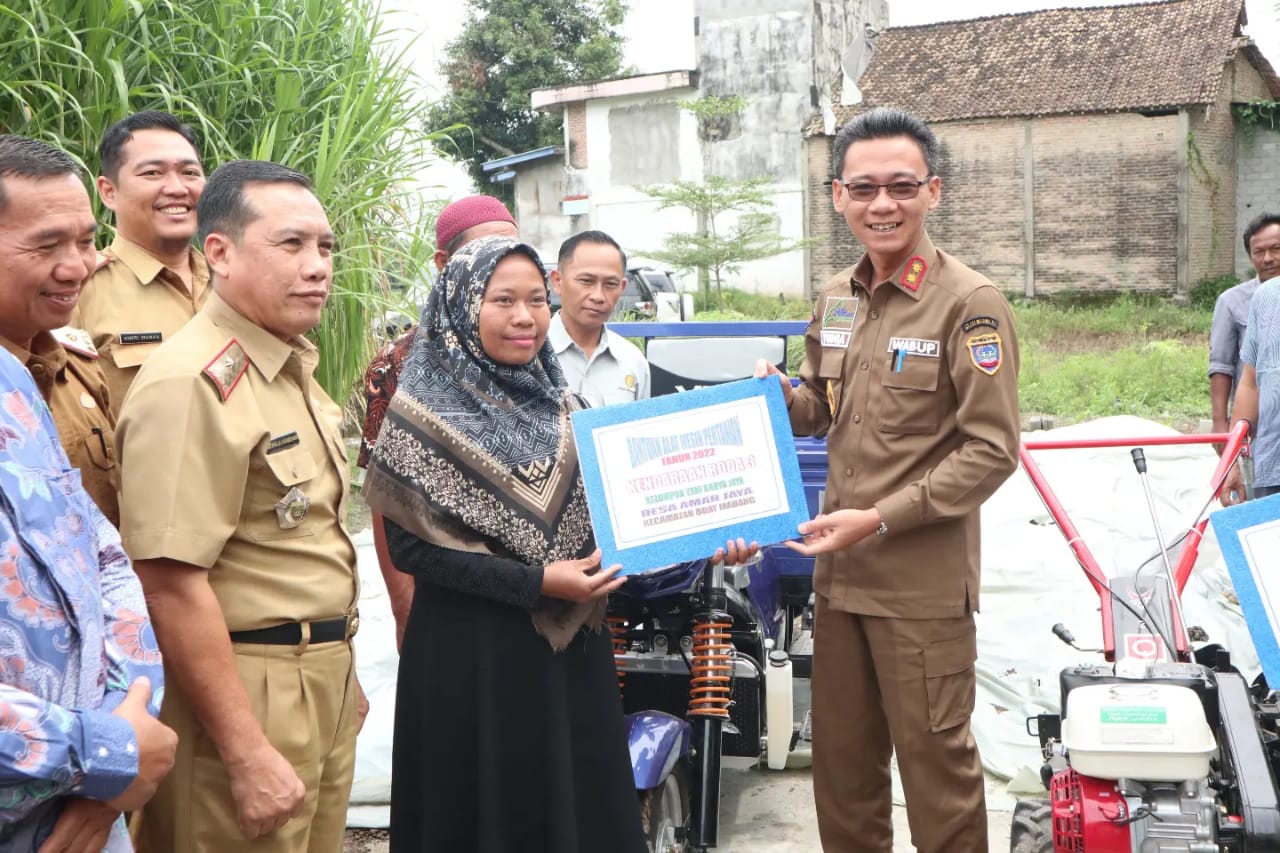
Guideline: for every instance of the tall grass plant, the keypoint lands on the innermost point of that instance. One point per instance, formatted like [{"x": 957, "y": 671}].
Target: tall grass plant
[{"x": 314, "y": 84}]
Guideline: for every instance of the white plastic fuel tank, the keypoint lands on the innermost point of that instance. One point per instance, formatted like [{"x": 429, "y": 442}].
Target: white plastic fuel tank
[{"x": 1151, "y": 732}]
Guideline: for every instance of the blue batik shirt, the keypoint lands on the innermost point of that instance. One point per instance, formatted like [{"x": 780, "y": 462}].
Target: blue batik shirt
[
  {"x": 1261, "y": 350},
  {"x": 74, "y": 631}
]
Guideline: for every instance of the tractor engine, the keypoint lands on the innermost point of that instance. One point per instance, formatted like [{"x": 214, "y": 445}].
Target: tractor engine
[
  {"x": 1124, "y": 816},
  {"x": 1138, "y": 780}
]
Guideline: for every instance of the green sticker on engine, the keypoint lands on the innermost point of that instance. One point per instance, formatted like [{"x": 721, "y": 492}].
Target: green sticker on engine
[{"x": 1148, "y": 715}]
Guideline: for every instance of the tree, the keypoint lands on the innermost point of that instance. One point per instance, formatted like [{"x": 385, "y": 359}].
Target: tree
[
  {"x": 507, "y": 49},
  {"x": 309, "y": 83},
  {"x": 716, "y": 249}
]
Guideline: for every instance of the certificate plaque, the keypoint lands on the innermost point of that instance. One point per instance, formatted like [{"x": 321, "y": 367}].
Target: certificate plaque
[
  {"x": 672, "y": 478},
  {"x": 1249, "y": 536}
]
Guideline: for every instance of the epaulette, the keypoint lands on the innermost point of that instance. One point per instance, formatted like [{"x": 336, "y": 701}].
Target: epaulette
[
  {"x": 75, "y": 340},
  {"x": 102, "y": 261},
  {"x": 227, "y": 367}
]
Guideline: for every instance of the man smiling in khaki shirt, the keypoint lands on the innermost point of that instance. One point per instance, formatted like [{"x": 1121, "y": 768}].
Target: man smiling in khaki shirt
[
  {"x": 234, "y": 510},
  {"x": 149, "y": 281}
]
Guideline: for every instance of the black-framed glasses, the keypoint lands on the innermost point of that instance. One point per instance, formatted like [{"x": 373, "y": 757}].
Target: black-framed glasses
[{"x": 901, "y": 190}]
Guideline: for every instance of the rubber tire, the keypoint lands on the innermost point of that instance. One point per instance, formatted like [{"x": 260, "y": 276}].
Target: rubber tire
[
  {"x": 1032, "y": 828},
  {"x": 667, "y": 806}
]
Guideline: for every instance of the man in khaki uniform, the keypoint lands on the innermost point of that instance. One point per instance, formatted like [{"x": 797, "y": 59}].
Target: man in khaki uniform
[
  {"x": 234, "y": 508},
  {"x": 149, "y": 282},
  {"x": 911, "y": 369},
  {"x": 46, "y": 250}
]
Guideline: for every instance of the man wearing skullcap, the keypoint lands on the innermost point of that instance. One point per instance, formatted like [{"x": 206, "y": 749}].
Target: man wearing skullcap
[{"x": 459, "y": 223}]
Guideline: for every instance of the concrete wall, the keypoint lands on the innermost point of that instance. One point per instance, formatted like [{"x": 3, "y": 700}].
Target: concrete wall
[
  {"x": 1257, "y": 184},
  {"x": 1103, "y": 210},
  {"x": 540, "y": 189},
  {"x": 1257, "y": 166}
]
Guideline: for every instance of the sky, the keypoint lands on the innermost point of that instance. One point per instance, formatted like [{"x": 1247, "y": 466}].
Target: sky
[{"x": 652, "y": 47}]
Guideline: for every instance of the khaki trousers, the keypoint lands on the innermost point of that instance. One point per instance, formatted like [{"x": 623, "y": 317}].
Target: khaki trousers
[
  {"x": 305, "y": 701},
  {"x": 884, "y": 685}
]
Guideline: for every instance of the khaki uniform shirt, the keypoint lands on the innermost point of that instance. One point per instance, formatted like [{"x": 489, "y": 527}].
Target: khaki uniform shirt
[
  {"x": 617, "y": 371},
  {"x": 234, "y": 461},
  {"x": 916, "y": 386},
  {"x": 131, "y": 304},
  {"x": 66, "y": 369}
]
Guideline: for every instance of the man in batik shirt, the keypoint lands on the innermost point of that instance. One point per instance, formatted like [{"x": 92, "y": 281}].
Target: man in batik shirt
[{"x": 80, "y": 673}]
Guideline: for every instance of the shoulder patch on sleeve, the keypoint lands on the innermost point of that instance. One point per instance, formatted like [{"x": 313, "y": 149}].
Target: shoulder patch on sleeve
[
  {"x": 102, "y": 261},
  {"x": 227, "y": 367},
  {"x": 982, "y": 320},
  {"x": 986, "y": 352},
  {"x": 75, "y": 340}
]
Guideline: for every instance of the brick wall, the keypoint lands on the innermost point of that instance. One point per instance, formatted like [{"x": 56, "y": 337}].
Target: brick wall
[
  {"x": 575, "y": 121},
  {"x": 836, "y": 248},
  {"x": 1211, "y": 165},
  {"x": 979, "y": 218},
  {"x": 1105, "y": 202}
]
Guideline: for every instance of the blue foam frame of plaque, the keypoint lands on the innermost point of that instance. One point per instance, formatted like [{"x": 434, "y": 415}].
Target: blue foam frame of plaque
[
  {"x": 765, "y": 530},
  {"x": 1227, "y": 526}
]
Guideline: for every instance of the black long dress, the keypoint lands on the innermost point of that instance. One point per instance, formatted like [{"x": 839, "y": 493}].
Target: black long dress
[{"x": 502, "y": 745}]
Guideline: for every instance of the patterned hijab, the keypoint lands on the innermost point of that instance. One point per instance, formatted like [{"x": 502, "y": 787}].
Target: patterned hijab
[{"x": 476, "y": 450}]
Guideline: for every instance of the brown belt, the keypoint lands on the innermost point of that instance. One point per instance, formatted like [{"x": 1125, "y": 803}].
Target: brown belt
[{"x": 290, "y": 633}]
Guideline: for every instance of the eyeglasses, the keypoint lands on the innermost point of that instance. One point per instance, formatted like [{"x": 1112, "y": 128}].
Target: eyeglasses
[{"x": 899, "y": 190}]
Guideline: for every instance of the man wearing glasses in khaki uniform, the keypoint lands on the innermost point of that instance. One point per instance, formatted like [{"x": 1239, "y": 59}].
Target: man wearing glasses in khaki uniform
[
  {"x": 234, "y": 510},
  {"x": 911, "y": 370}
]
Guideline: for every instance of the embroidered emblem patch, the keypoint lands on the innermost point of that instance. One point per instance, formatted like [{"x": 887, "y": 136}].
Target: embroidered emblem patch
[
  {"x": 838, "y": 316},
  {"x": 914, "y": 273},
  {"x": 974, "y": 322},
  {"x": 985, "y": 352}
]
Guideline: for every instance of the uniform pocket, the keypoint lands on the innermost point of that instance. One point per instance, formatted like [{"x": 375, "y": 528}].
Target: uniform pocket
[
  {"x": 907, "y": 404},
  {"x": 131, "y": 355},
  {"x": 831, "y": 376},
  {"x": 950, "y": 681},
  {"x": 285, "y": 471},
  {"x": 99, "y": 451}
]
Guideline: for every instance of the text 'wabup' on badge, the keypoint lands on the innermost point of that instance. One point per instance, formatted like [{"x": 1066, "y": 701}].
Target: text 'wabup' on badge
[{"x": 838, "y": 316}]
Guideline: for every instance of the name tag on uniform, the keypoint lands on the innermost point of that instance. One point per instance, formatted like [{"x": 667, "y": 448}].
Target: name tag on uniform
[
  {"x": 837, "y": 321},
  {"x": 127, "y": 338},
  {"x": 283, "y": 442},
  {"x": 915, "y": 346}
]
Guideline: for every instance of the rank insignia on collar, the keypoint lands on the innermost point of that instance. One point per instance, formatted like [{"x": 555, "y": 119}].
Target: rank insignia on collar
[
  {"x": 76, "y": 340},
  {"x": 292, "y": 508},
  {"x": 914, "y": 273},
  {"x": 227, "y": 367},
  {"x": 985, "y": 352}
]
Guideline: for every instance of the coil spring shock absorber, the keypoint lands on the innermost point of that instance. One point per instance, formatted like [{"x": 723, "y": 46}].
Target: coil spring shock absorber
[
  {"x": 618, "y": 630},
  {"x": 711, "y": 667}
]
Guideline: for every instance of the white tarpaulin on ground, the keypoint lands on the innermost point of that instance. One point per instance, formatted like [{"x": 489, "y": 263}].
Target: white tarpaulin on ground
[{"x": 1030, "y": 581}]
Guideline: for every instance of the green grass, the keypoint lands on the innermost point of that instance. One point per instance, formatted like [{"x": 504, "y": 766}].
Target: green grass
[{"x": 1163, "y": 380}]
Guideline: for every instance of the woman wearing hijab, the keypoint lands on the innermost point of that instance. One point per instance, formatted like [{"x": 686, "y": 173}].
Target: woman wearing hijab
[{"x": 509, "y": 726}]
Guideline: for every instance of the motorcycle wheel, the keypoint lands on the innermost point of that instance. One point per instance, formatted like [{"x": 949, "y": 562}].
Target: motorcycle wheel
[
  {"x": 1032, "y": 830},
  {"x": 666, "y": 809}
]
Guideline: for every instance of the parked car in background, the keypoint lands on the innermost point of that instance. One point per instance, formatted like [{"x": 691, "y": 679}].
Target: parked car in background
[{"x": 652, "y": 294}]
